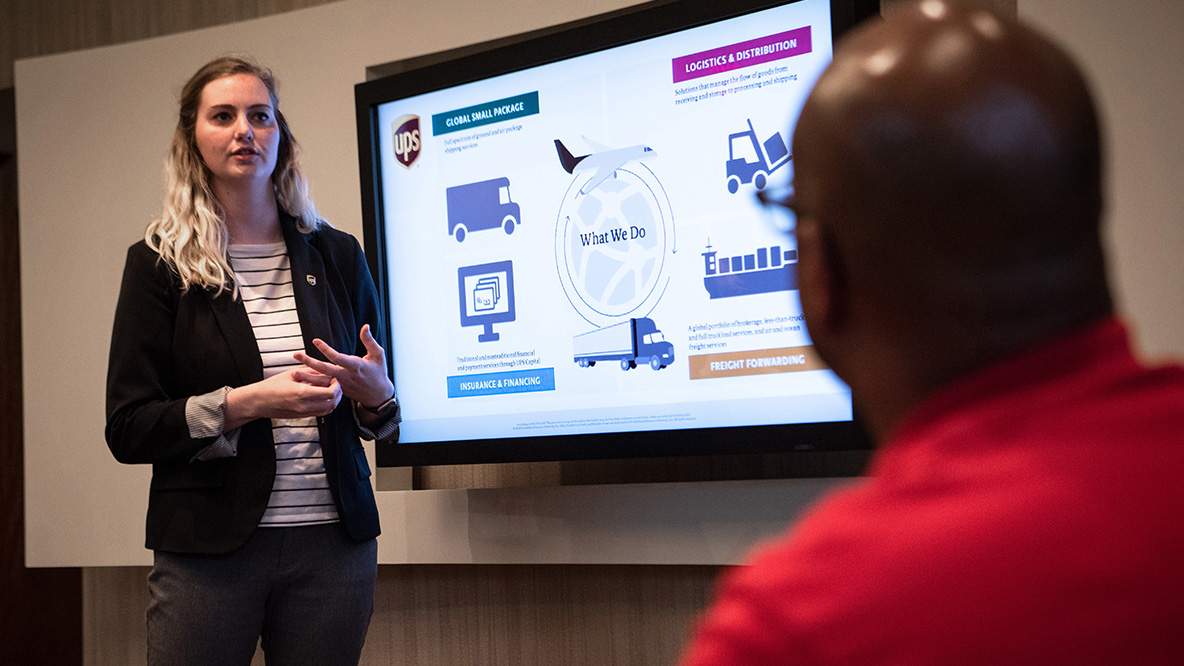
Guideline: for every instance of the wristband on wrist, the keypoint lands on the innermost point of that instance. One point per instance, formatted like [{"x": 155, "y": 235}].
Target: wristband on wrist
[{"x": 383, "y": 409}]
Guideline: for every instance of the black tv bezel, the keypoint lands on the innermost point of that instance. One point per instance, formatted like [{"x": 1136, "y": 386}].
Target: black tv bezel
[{"x": 626, "y": 26}]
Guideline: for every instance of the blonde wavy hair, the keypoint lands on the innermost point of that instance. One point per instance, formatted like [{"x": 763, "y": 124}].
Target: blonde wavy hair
[{"x": 191, "y": 235}]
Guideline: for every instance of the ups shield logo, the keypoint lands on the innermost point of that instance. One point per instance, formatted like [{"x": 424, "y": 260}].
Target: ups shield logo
[{"x": 407, "y": 142}]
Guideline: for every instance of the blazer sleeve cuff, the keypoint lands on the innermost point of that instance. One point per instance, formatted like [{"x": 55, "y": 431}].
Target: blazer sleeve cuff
[
  {"x": 206, "y": 416},
  {"x": 387, "y": 430}
]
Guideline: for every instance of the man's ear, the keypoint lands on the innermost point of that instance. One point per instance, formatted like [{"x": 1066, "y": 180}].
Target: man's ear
[{"x": 820, "y": 279}]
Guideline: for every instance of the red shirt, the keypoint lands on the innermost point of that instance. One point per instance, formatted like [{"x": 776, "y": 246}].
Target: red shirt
[{"x": 1030, "y": 514}]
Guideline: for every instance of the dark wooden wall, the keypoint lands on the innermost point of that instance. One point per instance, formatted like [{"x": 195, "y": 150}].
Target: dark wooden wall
[{"x": 31, "y": 28}]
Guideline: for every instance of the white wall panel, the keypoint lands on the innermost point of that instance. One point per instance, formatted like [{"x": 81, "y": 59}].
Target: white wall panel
[{"x": 1133, "y": 53}]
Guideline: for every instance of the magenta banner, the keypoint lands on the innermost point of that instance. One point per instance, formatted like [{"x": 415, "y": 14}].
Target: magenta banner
[{"x": 744, "y": 54}]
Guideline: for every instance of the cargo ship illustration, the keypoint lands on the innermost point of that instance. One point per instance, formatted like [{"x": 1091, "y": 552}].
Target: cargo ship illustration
[{"x": 767, "y": 269}]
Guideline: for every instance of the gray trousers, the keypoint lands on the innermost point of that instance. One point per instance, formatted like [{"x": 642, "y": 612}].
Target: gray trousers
[{"x": 307, "y": 591}]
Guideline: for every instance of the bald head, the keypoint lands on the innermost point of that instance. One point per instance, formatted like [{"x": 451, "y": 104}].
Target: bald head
[{"x": 948, "y": 186}]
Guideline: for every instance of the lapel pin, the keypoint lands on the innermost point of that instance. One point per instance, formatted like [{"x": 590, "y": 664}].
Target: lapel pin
[{"x": 312, "y": 280}]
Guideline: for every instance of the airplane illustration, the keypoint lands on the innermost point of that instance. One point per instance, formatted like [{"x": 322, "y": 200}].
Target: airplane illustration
[{"x": 605, "y": 161}]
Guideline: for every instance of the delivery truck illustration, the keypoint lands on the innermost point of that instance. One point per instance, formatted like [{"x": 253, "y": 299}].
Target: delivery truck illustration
[
  {"x": 629, "y": 342},
  {"x": 750, "y": 161},
  {"x": 482, "y": 205}
]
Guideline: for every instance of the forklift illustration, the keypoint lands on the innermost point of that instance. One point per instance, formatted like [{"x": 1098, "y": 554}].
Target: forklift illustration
[{"x": 751, "y": 162}]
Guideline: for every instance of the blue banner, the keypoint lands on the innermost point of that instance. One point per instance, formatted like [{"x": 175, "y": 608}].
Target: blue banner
[{"x": 496, "y": 383}]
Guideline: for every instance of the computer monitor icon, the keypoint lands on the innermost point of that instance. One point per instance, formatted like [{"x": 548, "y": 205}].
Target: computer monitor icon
[{"x": 486, "y": 296}]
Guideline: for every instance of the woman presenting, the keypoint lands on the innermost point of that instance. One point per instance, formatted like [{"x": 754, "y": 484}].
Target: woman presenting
[{"x": 244, "y": 368}]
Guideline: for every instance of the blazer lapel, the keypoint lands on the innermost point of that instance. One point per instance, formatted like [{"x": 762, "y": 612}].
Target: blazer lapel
[
  {"x": 231, "y": 316},
  {"x": 309, "y": 287}
]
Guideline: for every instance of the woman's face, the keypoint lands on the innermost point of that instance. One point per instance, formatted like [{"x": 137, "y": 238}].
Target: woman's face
[{"x": 236, "y": 130}]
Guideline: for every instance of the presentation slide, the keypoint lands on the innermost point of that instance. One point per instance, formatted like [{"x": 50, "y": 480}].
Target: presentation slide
[{"x": 578, "y": 248}]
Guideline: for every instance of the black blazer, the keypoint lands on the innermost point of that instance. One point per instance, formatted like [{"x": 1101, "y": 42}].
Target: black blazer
[{"x": 168, "y": 345}]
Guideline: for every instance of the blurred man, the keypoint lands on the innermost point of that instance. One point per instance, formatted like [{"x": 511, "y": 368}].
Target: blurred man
[{"x": 1026, "y": 502}]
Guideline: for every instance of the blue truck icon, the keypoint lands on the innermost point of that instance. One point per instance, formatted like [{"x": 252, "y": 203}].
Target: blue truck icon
[
  {"x": 481, "y": 205},
  {"x": 629, "y": 342}
]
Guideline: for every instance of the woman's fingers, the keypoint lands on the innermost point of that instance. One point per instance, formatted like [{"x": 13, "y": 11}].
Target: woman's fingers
[
  {"x": 312, "y": 377},
  {"x": 361, "y": 378},
  {"x": 374, "y": 350}
]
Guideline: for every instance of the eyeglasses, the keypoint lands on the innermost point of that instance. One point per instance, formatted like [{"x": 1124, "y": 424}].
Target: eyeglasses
[{"x": 784, "y": 217}]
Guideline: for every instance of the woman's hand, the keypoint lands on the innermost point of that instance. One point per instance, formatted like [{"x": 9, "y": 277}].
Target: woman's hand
[
  {"x": 364, "y": 378},
  {"x": 290, "y": 394}
]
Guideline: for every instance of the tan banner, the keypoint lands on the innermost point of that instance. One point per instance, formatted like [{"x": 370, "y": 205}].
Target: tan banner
[{"x": 754, "y": 362}]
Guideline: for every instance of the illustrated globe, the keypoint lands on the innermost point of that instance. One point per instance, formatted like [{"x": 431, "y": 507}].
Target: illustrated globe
[{"x": 614, "y": 243}]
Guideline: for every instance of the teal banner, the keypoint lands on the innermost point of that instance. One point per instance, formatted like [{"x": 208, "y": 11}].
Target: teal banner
[{"x": 484, "y": 114}]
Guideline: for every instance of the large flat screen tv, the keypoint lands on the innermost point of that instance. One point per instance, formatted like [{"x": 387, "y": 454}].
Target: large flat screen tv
[{"x": 570, "y": 256}]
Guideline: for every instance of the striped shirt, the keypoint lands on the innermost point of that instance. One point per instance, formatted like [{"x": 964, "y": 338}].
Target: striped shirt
[{"x": 300, "y": 495}]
